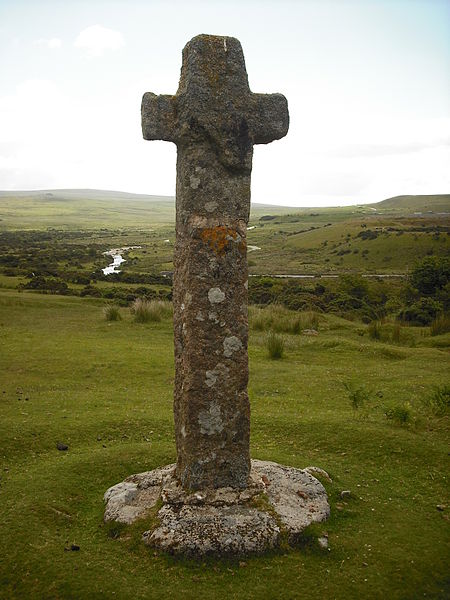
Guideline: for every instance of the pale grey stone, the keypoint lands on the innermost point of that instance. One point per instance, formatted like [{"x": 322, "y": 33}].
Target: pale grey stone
[
  {"x": 318, "y": 471},
  {"x": 222, "y": 520}
]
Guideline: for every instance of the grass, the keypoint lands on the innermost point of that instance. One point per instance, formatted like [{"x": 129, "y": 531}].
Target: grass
[
  {"x": 148, "y": 311},
  {"x": 277, "y": 318},
  {"x": 440, "y": 325},
  {"x": 112, "y": 312},
  {"x": 105, "y": 390},
  {"x": 438, "y": 402},
  {"x": 296, "y": 241},
  {"x": 275, "y": 346}
]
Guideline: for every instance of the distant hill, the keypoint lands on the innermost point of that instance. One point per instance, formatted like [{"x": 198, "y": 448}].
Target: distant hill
[
  {"x": 83, "y": 195},
  {"x": 434, "y": 203}
]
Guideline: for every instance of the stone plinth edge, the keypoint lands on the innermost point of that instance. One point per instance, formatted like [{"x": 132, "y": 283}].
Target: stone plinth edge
[{"x": 279, "y": 503}]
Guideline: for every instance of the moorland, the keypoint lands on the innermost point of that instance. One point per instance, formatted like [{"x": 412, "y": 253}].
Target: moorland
[{"x": 365, "y": 396}]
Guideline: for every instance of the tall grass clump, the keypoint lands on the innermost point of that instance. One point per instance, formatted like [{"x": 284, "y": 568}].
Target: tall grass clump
[
  {"x": 309, "y": 320},
  {"x": 276, "y": 317},
  {"x": 357, "y": 395},
  {"x": 438, "y": 403},
  {"x": 374, "y": 330},
  {"x": 146, "y": 311},
  {"x": 396, "y": 335},
  {"x": 440, "y": 325},
  {"x": 112, "y": 312},
  {"x": 399, "y": 414},
  {"x": 275, "y": 345}
]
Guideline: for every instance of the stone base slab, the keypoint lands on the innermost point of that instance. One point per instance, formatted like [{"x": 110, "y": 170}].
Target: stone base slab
[{"x": 279, "y": 503}]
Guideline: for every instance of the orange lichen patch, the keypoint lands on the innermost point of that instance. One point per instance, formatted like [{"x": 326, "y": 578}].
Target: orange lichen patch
[{"x": 221, "y": 238}]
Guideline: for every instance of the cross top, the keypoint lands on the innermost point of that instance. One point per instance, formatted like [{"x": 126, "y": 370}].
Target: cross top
[{"x": 214, "y": 105}]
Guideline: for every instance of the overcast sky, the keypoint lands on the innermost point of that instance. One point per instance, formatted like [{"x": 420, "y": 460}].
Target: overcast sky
[{"x": 367, "y": 83}]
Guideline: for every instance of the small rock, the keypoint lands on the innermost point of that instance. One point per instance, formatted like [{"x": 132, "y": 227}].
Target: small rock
[
  {"x": 323, "y": 542},
  {"x": 62, "y": 446},
  {"x": 365, "y": 564},
  {"x": 310, "y": 332},
  {"x": 318, "y": 471},
  {"x": 441, "y": 507},
  {"x": 73, "y": 548},
  {"x": 346, "y": 494}
]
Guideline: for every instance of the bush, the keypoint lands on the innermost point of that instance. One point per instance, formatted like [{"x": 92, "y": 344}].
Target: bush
[
  {"x": 441, "y": 324},
  {"x": 358, "y": 396},
  {"x": 422, "y": 312},
  {"x": 112, "y": 312},
  {"x": 397, "y": 333},
  {"x": 275, "y": 345},
  {"x": 430, "y": 274},
  {"x": 400, "y": 414},
  {"x": 374, "y": 330},
  {"x": 145, "y": 311},
  {"x": 439, "y": 401}
]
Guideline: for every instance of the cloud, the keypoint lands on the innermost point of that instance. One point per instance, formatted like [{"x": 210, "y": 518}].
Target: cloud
[
  {"x": 52, "y": 43},
  {"x": 96, "y": 40}
]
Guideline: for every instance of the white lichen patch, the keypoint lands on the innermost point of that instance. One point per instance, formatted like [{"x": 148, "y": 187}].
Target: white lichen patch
[
  {"x": 210, "y": 420},
  {"x": 194, "y": 182},
  {"x": 220, "y": 371},
  {"x": 183, "y": 431},
  {"x": 246, "y": 285},
  {"x": 215, "y": 295},
  {"x": 211, "y": 378},
  {"x": 199, "y": 316},
  {"x": 230, "y": 345},
  {"x": 212, "y": 316},
  {"x": 211, "y": 206}
]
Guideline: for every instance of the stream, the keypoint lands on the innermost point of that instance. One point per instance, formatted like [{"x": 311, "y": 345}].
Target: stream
[{"x": 116, "y": 255}]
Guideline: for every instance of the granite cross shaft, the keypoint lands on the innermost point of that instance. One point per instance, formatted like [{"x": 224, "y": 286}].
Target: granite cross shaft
[{"x": 214, "y": 119}]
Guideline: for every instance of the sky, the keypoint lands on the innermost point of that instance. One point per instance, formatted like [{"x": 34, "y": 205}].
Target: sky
[{"x": 367, "y": 83}]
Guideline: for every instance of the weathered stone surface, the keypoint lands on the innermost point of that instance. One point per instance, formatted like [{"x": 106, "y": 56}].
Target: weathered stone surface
[
  {"x": 131, "y": 499},
  {"x": 278, "y": 501},
  {"x": 215, "y": 120},
  {"x": 200, "y": 530},
  {"x": 215, "y": 501},
  {"x": 298, "y": 498}
]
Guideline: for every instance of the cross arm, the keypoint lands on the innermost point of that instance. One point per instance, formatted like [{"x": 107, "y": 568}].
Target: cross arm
[
  {"x": 269, "y": 119},
  {"x": 158, "y": 115}
]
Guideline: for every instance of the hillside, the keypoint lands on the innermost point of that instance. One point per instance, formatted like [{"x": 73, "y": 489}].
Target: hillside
[
  {"x": 429, "y": 203},
  {"x": 385, "y": 238}
]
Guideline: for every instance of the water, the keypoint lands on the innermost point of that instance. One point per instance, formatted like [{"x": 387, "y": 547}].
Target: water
[{"x": 116, "y": 255}]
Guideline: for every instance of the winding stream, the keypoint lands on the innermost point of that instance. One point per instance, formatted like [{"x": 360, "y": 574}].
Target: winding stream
[{"x": 116, "y": 255}]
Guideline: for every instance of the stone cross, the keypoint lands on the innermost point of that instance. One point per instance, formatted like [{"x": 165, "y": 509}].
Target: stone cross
[{"x": 214, "y": 119}]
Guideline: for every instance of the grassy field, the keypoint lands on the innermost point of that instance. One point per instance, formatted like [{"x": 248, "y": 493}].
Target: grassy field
[
  {"x": 383, "y": 238},
  {"x": 355, "y": 406}
]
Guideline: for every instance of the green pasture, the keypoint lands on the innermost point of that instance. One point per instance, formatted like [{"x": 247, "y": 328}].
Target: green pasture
[{"x": 105, "y": 389}]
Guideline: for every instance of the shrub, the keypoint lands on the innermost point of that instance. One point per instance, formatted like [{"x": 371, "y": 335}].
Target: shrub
[
  {"x": 439, "y": 401},
  {"x": 275, "y": 345},
  {"x": 441, "y": 324},
  {"x": 145, "y": 311},
  {"x": 374, "y": 330},
  {"x": 400, "y": 414},
  {"x": 422, "y": 312},
  {"x": 112, "y": 312},
  {"x": 430, "y": 274},
  {"x": 397, "y": 333},
  {"x": 358, "y": 396}
]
